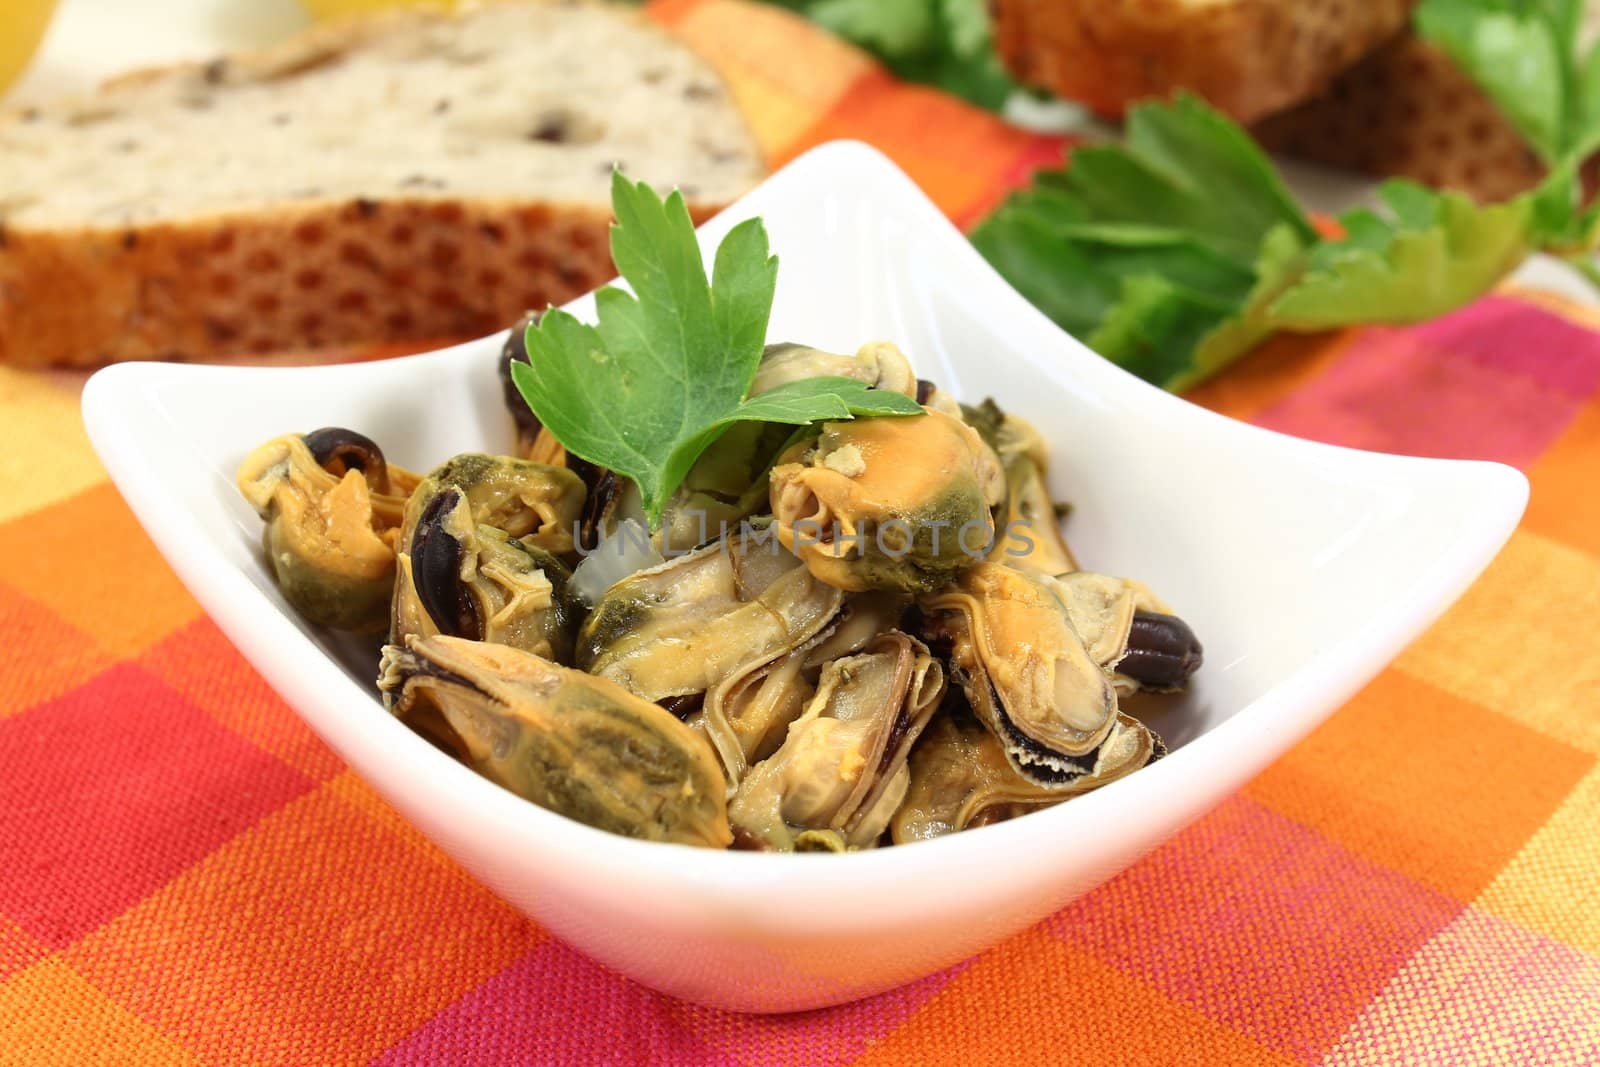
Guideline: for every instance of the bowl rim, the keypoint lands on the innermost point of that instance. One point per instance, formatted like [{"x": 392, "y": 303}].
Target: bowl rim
[{"x": 272, "y": 642}]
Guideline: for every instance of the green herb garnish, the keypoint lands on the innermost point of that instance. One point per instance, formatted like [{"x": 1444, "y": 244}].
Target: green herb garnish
[
  {"x": 1525, "y": 56},
  {"x": 667, "y": 369},
  {"x": 1176, "y": 252},
  {"x": 946, "y": 43}
]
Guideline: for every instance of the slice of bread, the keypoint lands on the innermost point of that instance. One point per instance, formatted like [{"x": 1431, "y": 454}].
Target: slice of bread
[
  {"x": 1247, "y": 57},
  {"x": 1408, "y": 111},
  {"x": 412, "y": 176}
]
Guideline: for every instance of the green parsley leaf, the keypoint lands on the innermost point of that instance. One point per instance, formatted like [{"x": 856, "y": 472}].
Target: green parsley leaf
[
  {"x": 1177, "y": 252},
  {"x": 891, "y": 27},
  {"x": 1160, "y": 253},
  {"x": 944, "y": 43},
  {"x": 1515, "y": 51},
  {"x": 666, "y": 370},
  {"x": 1283, "y": 256},
  {"x": 1435, "y": 253}
]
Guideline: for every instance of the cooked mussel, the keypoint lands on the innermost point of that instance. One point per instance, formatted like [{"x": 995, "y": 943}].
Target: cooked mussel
[
  {"x": 961, "y": 778},
  {"x": 878, "y": 364},
  {"x": 333, "y": 507},
  {"x": 1129, "y": 631},
  {"x": 1162, "y": 652},
  {"x": 475, "y": 581},
  {"x": 476, "y": 559},
  {"x": 675, "y": 630},
  {"x": 1029, "y": 527},
  {"x": 888, "y": 503},
  {"x": 726, "y": 485},
  {"x": 841, "y": 773},
  {"x": 746, "y": 714},
  {"x": 1026, "y": 671},
  {"x": 568, "y": 741},
  {"x": 536, "y": 502}
]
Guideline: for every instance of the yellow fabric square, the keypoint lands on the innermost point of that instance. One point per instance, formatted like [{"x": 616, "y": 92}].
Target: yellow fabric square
[
  {"x": 1550, "y": 886},
  {"x": 51, "y": 1015},
  {"x": 1482, "y": 993},
  {"x": 778, "y": 120},
  {"x": 1522, "y": 641},
  {"x": 44, "y": 453}
]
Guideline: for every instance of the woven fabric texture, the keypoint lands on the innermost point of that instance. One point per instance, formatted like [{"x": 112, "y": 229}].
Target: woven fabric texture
[{"x": 188, "y": 876}]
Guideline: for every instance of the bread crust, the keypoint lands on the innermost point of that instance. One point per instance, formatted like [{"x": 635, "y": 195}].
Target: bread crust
[
  {"x": 401, "y": 266},
  {"x": 1408, "y": 111},
  {"x": 295, "y": 277},
  {"x": 1249, "y": 58}
]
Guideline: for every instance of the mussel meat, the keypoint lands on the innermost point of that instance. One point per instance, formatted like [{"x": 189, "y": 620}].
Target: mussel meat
[
  {"x": 333, "y": 507},
  {"x": 1030, "y": 524},
  {"x": 478, "y": 559},
  {"x": 878, "y": 364},
  {"x": 678, "y": 629},
  {"x": 961, "y": 778},
  {"x": 746, "y": 714},
  {"x": 888, "y": 503},
  {"x": 841, "y": 772},
  {"x": 1028, "y": 675},
  {"x": 568, "y": 741},
  {"x": 1129, "y": 631}
]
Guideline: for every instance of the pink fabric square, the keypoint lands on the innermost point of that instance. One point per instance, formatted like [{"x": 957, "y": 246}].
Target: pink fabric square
[
  {"x": 1260, "y": 923},
  {"x": 552, "y": 1006},
  {"x": 110, "y": 791},
  {"x": 1497, "y": 382},
  {"x": 542, "y": 1010}
]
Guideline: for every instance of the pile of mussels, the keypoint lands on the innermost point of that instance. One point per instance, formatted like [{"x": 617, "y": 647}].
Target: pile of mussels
[{"x": 871, "y": 633}]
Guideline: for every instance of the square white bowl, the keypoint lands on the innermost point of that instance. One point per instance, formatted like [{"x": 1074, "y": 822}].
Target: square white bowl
[{"x": 1303, "y": 567}]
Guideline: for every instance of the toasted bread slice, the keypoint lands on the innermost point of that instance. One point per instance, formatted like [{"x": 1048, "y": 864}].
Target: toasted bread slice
[
  {"x": 1407, "y": 111},
  {"x": 1249, "y": 58}
]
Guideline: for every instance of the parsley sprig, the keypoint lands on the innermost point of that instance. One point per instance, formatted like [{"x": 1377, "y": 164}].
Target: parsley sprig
[
  {"x": 667, "y": 368},
  {"x": 1176, "y": 252}
]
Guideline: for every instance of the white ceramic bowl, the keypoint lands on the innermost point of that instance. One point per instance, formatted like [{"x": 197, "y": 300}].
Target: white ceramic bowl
[{"x": 1304, "y": 568}]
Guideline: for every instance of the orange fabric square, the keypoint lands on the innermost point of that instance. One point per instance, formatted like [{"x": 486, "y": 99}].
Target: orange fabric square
[
  {"x": 1270, "y": 373},
  {"x": 52, "y": 1017},
  {"x": 955, "y": 152},
  {"x": 317, "y": 937},
  {"x": 1035, "y": 999},
  {"x": 46, "y": 455},
  {"x": 781, "y": 70},
  {"x": 200, "y": 663},
  {"x": 1421, "y": 781},
  {"x": 46, "y": 656},
  {"x": 1565, "y": 503},
  {"x": 86, "y": 559}
]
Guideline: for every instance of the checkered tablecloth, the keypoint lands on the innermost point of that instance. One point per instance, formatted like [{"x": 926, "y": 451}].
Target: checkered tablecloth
[{"x": 188, "y": 876}]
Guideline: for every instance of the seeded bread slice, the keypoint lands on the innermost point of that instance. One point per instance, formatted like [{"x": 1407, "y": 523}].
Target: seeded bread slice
[
  {"x": 411, "y": 176},
  {"x": 1407, "y": 111},
  {"x": 1247, "y": 57}
]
